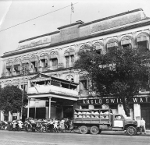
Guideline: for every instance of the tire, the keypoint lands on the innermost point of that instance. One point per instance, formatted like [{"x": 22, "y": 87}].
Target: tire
[
  {"x": 131, "y": 130},
  {"x": 83, "y": 129},
  {"x": 94, "y": 130}
]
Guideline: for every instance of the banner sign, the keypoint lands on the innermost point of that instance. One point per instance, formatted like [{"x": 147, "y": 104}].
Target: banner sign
[{"x": 100, "y": 101}]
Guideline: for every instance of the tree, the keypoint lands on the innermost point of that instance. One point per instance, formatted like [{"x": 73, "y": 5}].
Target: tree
[
  {"x": 120, "y": 73},
  {"x": 11, "y": 99}
]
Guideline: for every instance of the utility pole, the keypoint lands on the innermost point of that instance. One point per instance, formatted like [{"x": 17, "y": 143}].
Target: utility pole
[{"x": 24, "y": 72}]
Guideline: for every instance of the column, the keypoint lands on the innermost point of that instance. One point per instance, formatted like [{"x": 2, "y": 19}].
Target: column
[
  {"x": 137, "y": 110},
  {"x": 121, "y": 110},
  {"x": 28, "y": 108},
  {"x": 49, "y": 112}
]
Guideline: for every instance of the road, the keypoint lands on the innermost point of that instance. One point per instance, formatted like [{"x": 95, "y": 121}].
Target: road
[{"x": 30, "y": 138}]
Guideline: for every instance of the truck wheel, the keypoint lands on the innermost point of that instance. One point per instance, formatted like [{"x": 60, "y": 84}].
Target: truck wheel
[
  {"x": 94, "y": 130},
  {"x": 131, "y": 130},
  {"x": 83, "y": 129}
]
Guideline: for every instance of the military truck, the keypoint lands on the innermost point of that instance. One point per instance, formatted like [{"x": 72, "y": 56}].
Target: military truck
[{"x": 97, "y": 120}]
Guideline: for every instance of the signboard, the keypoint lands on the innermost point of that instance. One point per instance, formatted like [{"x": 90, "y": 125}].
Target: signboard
[
  {"x": 100, "y": 101},
  {"x": 36, "y": 42}
]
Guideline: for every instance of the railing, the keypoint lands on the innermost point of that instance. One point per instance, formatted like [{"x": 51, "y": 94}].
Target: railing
[{"x": 37, "y": 89}]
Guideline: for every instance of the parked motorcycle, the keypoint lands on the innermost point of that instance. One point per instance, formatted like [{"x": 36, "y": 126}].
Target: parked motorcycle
[
  {"x": 3, "y": 125},
  {"x": 16, "y": 125}
]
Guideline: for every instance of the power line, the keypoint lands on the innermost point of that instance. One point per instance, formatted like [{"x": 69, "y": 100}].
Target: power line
[{"x": 36, "y": 17}]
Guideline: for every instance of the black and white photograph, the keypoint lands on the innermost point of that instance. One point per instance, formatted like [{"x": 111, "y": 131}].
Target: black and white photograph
[{"x": 74, "y": 72}]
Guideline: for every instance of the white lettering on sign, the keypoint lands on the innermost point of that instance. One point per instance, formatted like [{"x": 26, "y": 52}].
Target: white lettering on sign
[
  {"x": 141, "y": 100},
  {"x": 114, "y": 100},
  {"x": 135, "y": 100},
  {"x": 107, "y": 101}
]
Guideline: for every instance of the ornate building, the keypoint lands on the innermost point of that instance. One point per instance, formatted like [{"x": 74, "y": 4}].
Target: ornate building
[{"x": 53, "y": 54}]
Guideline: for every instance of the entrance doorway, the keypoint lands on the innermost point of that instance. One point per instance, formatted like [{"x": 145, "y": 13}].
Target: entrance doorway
[
  {"x": 145, "y": 114},
  {"x": 38, "y": 113},
  {"x": 68, "y": 112}
]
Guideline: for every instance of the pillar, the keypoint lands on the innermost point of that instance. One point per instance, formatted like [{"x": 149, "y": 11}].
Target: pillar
[
  {"x": 137, "y": 110},
  {"x": 28, "y": 108},
  {"x": 49, "y": 112},
  {"x": 121, "y": 110}
]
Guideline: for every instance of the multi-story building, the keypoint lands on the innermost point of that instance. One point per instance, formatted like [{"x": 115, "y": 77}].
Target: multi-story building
[{"x": 51, "y": 57}]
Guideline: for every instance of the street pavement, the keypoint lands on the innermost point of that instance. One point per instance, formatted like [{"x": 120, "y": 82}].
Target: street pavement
[{"x": 105, "y": 138}]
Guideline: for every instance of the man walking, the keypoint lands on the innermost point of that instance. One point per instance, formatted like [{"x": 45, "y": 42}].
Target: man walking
[{"x": 142, "y": 124}]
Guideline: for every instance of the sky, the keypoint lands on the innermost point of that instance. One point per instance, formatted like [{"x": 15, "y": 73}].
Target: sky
[{"x": 22, "y": 19}]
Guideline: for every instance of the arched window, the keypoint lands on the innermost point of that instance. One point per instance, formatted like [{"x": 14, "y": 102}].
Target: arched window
[
  {"x": 17, "y": 66},
  {"x": 142, "y": 43},
  {"x": 126, "y": 42},
  {"x": 54, "y": 59},
  {"x": 112, "y": 45},
  {"x": 9, "y": 69},
  {"x": 44, "y": 60},
  {"x": 34, "y": 60},
  {"x": 98, "y": 47},
  {"x": 69, "y": 55},
  {"x": 25, "y": 65}
]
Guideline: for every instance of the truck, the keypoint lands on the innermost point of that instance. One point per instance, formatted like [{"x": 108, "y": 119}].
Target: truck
[{"x": 97, "y": 120}]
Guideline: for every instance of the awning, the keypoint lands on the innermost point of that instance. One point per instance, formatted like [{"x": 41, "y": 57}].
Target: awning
[
  {"x": 125, "y": 41},
  {"x": 142, "y": 38},
  {"x": 112, "y": 44},
  {"x": 98, "y": 46}
]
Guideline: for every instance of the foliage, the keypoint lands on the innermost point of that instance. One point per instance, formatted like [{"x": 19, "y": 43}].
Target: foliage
[
  {"x": 11, "y": 99},
  {"x": 121, "y": 72}
]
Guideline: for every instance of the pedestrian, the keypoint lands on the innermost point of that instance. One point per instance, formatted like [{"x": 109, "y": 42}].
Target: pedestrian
[{"x": 142, "y": 124}]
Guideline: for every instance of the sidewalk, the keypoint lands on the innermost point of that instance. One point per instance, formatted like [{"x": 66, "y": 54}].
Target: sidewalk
[
  {"x": 123, "y": 133},
  {"x": 148, "y": 132}
]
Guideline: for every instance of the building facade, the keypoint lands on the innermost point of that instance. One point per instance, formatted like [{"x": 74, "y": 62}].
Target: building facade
[{"x": 53, "y": 54}]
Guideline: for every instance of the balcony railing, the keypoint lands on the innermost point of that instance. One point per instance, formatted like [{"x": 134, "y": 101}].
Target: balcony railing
[{"x": 37, "y": 89}]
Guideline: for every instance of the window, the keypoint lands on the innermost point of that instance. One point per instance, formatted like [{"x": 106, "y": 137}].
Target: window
[
  {"x": 126, "y": 46},
  {"x": 9, "y": 70},
  {"x": 54, "y": 62},
  {"x": 111, "y": 47},
  {"x": 99, "y": 51},
  {"x": 17, "y": 69},
  {"x": 44, "y": 63},
  {"x": 25, "y": 68},
  {"x": 126, "y": 42},
  {"x": 83, "y": 85},
  {"x": 142, "y": 46},
  {"x": 98, "y": 47},
  {"x": 69, "y": 61},
  {"x": 72, "y": 60},
  {"x": 34, "y": 66}
]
